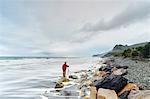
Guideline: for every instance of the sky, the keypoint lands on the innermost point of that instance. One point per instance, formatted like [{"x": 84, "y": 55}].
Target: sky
[{"x": 71, "y": 27}]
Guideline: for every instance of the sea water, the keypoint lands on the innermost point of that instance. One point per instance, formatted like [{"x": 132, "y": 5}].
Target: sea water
[{"x": 29, "y": 78}]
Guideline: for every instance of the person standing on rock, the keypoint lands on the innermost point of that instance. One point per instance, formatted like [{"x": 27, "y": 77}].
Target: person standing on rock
[{"x": 64, "y": 67}]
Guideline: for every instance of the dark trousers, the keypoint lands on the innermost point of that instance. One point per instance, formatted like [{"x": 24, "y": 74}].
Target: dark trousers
[{"x": 64, "y": 73}]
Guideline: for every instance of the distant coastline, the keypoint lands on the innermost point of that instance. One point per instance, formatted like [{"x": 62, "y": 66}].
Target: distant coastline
[{"x": 29, "y": 57}]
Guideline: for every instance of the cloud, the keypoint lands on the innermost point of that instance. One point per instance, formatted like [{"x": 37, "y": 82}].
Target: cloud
[
  {"x": 49, "y": 27},
  {"x": 132, "y": 14}
]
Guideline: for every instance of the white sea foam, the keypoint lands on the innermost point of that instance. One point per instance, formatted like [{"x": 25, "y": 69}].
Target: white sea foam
[{"x": 29, "y": 78}]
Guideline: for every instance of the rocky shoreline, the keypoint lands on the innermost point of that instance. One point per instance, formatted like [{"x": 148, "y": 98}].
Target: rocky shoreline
[
  {"x": 116, "y": 77},
  {"x": 138, "y": 71}
]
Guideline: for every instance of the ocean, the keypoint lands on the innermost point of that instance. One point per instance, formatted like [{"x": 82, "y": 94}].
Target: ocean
[{"x": 29, "y": 78}]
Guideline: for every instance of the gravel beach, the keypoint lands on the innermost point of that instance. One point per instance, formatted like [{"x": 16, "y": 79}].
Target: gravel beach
[{"x": 138, "y": 71}]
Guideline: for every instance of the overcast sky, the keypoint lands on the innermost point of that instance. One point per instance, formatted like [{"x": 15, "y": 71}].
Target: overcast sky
[{"x": 71, "y": 27}]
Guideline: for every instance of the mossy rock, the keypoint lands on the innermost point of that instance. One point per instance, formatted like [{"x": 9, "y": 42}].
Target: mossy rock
[{"x": 64, "y": 79}]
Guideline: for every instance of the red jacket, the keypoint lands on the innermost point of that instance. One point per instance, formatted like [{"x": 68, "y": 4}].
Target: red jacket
[{"x": 64, "y": 67}]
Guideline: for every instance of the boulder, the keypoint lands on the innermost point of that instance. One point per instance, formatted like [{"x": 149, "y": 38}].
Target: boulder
[
  {"x": 69, "y": 93},
  {"x": 120, "y": 71},
  {"x": 86, "y": 97},
  {"x": 107, "y": 69},
  {"x": 59, "y": 85},
  {"x": 84, "y": 91},
  {"x": 89, "y": 83},
  {"x": 128, "y": 87},
  {"x": 101, "y": 68},
  {"x": 124, "y": 67},
  {"x": 124, "y": 95},
  {"x": 73, "y": 76},
  {"x": 114, "y": 69},
  {"x": 84, "y": 75},
  {"x": 93, "y": 92},
  {"x": 106, "y": 94},
  {"x": 95, "y": 78},
  {"x": 102, "y": 73},
  {"x": 81, "y": 93},
  {"x": 85, "y": 83},
  {"x": 145, "y": 94},
  {"x": 96, "y": 73},
  {"x": 64, "y": 79},
  {"x": 113, "y": 82}
]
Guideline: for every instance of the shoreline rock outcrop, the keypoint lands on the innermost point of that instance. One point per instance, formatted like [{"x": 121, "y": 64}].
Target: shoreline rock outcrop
[{"x": 107, "y": 82}]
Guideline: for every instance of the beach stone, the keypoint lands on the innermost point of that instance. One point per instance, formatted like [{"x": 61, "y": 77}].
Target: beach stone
[
  {"x": 120, "y": 72},
  {"x": 124, "y": 67},
  {"x": 93, "y": 92},
  {"x": 88, "y": 83},
  {"x": 59, "y": 85},
  {"x": 86, "y": 97},
  {"x": 107, "y": 69},
  {"x": 102, "y": 73},
  {"x": 145, "y": 94},
  {"x": 84, "y": 75},
  {"x": 82, "y": 83},
  {"x": 81, "y": 93},
  {"x": 84, "y": 91},
  {"x": 95, "y": 79},
  {"x": 96, "y": 73},
  {"x": 141, "y": 87},
  {"x": 73, "y": 76},
  {"x": 101, "y": 68},
  {"x": 69, "y": 93},
  {"x": 124, "y": 95},
  {"x": 106, "y": 94},
  {"x": 128, "y": 87}
]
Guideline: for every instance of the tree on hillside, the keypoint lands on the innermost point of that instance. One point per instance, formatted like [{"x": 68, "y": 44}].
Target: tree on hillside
[
  {"x": 140, "y": 49},
  {"x": 146, "y": 50},
  {"x": 135, "y": 53},
  {"x": 119, "y": 47},
  {"x": 127, "y": 53}
]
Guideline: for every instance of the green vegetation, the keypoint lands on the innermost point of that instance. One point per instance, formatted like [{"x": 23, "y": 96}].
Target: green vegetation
[
  {"x": 135, "y": 53},
  {"x": 127, "y": 53},
  {"x": 146, "y": 51},
  {"x": 142, "y": 51}
]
